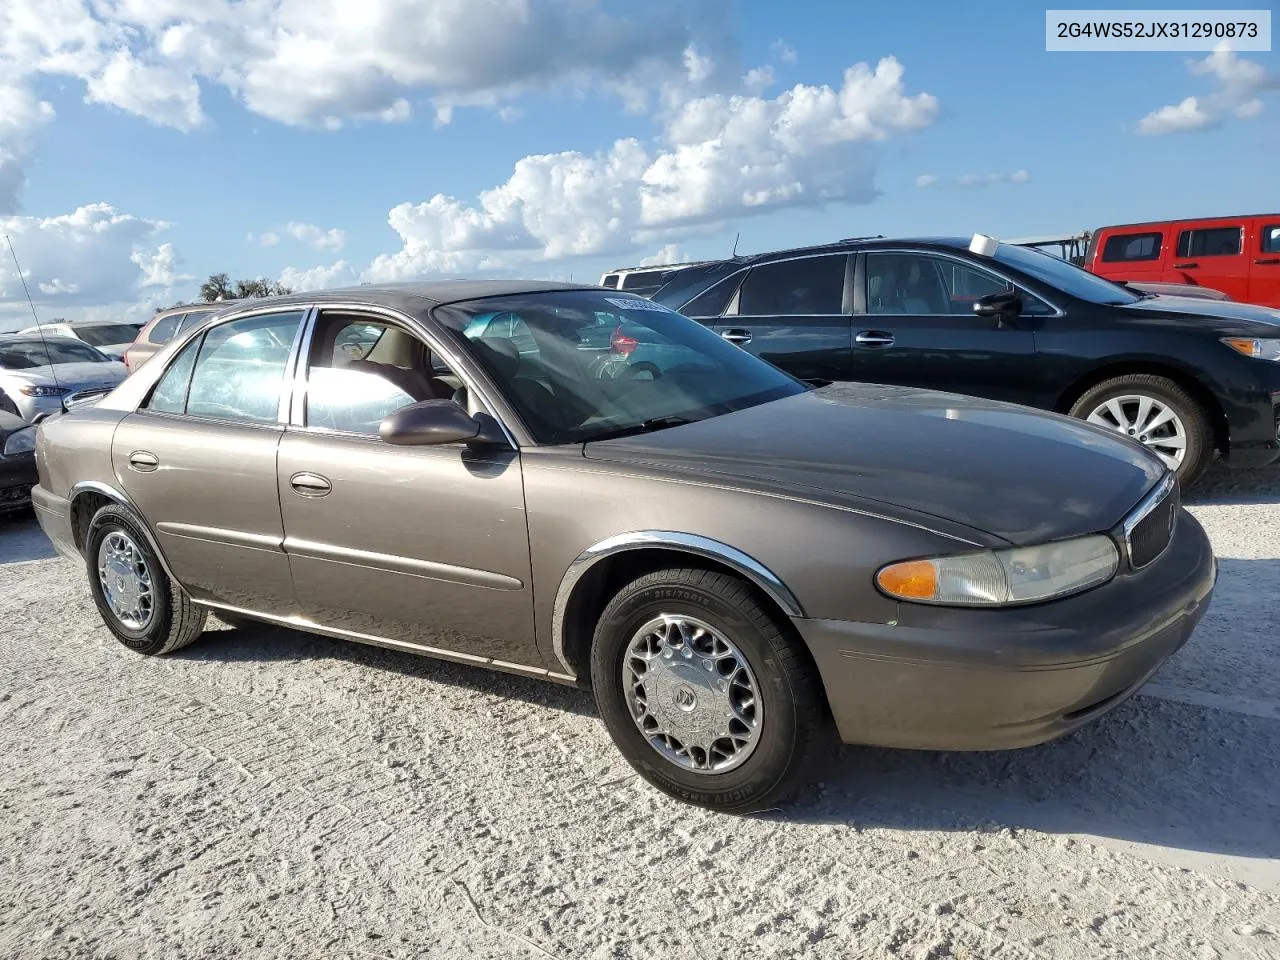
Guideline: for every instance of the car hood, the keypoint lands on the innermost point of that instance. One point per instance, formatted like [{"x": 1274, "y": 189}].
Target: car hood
[
  {"x": 1223, "y": 316},
  {"x": 75, "y": 375},
  {"x": 1017, "y": 474}
]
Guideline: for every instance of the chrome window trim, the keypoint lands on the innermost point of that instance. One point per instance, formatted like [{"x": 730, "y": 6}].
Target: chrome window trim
[
  {"x": 976, "y": 265},
  {"x": 1154, "y": 497},
  {"x": 297, "y": 418},
  {"x": 746, "y": 565}
]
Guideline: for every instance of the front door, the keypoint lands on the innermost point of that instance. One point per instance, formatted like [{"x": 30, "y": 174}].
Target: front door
[
  {"x": 795, "y": 314},
  {"x": 1264, "y": 270},
  {"x": 919, "y": 329},
  {"x": 199, "y": 460},
  {"x": 1212, "y": 254},
  {"x": 425, "y": 546}
]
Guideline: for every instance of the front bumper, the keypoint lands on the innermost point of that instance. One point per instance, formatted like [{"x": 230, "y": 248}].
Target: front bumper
[
  {"x": 963, "y": 679},
  {"x": 17, "y": 477}
]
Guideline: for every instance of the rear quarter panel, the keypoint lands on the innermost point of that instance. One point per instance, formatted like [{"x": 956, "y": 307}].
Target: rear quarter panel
[{"x": 76, "y": 447}]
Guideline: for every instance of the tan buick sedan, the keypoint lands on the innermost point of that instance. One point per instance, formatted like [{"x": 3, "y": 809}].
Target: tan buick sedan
[{"x": 578, "y": 484}]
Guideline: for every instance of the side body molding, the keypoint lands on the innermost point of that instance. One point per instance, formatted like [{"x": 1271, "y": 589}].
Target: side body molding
[{"x": 747, "y": 566}]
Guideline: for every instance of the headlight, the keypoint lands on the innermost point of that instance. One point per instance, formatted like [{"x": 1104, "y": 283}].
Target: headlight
[
  {"x": 20, "y": 441},
  {"x": 1258, "y": 349},
  {"x": 37, "y": 390},
  {"x": 1002, "y": 577}
]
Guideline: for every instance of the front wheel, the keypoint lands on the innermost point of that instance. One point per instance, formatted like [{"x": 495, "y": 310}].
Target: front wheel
[
  {"x": 147, "y": 611},
  {"x": 703, "y": 693},
  {"x": 1157, "y": 413}
]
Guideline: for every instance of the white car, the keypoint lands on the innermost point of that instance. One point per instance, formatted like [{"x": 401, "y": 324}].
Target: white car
[
  {"x": 113, "y": 339},
  {"x": 37, "y": 374}
]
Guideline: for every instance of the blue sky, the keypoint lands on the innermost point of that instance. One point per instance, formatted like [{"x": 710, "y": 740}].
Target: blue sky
[{"x": 167, "y": 140}]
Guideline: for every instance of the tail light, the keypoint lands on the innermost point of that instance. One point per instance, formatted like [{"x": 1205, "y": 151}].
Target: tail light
[{"x": 622, "y": 344}]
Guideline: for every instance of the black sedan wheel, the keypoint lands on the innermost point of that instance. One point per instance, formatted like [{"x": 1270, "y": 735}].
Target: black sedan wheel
[
  {"x": 139, "y": 603},
  {"x": 703, "y": 692},
  {"x": 1157, "y": 413}
]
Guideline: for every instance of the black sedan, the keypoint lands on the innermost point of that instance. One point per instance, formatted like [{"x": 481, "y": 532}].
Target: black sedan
[
  {"x": 17, "y": 462},
  {"x": 1187, "y": 378}
]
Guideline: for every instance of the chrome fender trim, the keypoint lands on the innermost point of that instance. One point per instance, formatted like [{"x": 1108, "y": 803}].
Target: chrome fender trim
[
  {"x": 747, "y": 566},
  {"x": 111, "y": 493}
]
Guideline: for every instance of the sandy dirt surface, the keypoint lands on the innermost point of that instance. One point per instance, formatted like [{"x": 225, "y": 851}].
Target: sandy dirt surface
[{"x": 268, "y": 794}]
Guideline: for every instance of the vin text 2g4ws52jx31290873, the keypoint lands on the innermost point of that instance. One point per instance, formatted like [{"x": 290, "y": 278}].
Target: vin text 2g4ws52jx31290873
[{"x": 585, "y": 486}]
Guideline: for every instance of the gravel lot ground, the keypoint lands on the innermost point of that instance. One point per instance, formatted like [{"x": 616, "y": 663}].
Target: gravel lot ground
[{"x": 265, "y": 793}]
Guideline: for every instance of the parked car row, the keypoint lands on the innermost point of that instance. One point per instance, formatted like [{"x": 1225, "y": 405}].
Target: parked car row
[
  {"x": 583, "y": 485},
  {"x": 1187, "y": 378}
]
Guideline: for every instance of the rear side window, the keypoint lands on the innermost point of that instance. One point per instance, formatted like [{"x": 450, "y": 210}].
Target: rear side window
[
  {"x": 810, "y": 286},
  {"x": 711, "y": 303},
  {"x": 611, "y": 281},
  {"x": 1127, "y": 247},
  {"x": 164, "y": 329},
  {"x": 1213, "y": 242},
  {"x": 170, "y": 394},
  {"x": 240, "y": 368},
  {"x": 1271, "y": 238},
  {"x": 192, "y": 320}
]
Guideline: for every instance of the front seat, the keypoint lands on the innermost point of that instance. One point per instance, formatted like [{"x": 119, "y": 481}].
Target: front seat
[
  {"x": 402, "y": 360},
  {"x": 508, "y": 367}
]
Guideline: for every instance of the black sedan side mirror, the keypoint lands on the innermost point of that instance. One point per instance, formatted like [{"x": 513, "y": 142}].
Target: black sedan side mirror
[
  {"x": 434, "y": 422},
  {"x": 1005, "y": 305}
]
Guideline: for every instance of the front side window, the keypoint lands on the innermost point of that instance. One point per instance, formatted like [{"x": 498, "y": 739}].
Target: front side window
[
  {"x": 811, "y": 286},
  {"x": 1060, "y": 275},
  {"x": 25, "y": 354},
  {"x": 362, "y": 369},
  {"x": 1271, "y": 238},
  {"x": 921, "y": 285},
  {"x": 609, "y": 364},
  {"x": 1214, "y": 242},
  {"x": 240, "y": 369},
  {"x": 1128, "y": 247}
]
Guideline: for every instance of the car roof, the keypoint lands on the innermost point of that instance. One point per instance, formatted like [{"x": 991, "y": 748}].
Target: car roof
[{"x": 409, "y": 296}]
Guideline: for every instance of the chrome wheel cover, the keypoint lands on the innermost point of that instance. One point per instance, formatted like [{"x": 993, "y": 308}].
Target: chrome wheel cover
[
  {"x": 125, "y": 579},
  {"x": 692, "y": 694},
  {"x": 1150, "y": 421}
]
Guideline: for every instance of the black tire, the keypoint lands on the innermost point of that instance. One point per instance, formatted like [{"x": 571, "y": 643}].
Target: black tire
[
  {"x": 794, "y": 721},
  {"x": 174, "y": 620},
  {"x": 1194, "y": 417},
  {"x": 238, "y": 621}
]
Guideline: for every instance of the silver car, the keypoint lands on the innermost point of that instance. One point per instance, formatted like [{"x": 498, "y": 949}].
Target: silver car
[
  {"x": 113, "y": 339},
  {"x": 37, "y": 373}
]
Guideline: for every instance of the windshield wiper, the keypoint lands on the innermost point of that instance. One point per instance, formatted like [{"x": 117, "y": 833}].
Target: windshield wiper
[{"x": 649, "y": 426}]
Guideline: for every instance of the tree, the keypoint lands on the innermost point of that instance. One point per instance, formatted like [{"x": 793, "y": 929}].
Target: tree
[{"x": 220, "y": 287}]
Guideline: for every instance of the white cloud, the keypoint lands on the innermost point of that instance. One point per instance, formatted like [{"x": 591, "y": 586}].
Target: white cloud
[
  {"x": 783, "y": 51},
  {"x": 671, "y": 253},
  {"x": 339, "y": 274},
  {"x": 317, "y": 237},
  {"x": 160, "y": 268},
  {"x": 1239, "y": 85},
  {"x": 758, "y": 79},
  {"x": 720, "y": 157},
  {"x": 1190, "y": 114},
  {"x": 268, "y": 239},
  {"x": 21, "y": 116},
  {"x": 93, "y": 256},
  {"x": 974, "y": 179}
]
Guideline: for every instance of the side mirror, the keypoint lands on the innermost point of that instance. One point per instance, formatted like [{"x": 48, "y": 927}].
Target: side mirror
[
  {"x": 1002, "y": 306},
  {"x": 430, "y": 422}
]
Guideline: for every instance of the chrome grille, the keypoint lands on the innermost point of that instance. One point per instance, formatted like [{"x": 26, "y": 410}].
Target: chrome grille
[{"x": 1148, "y": 530}]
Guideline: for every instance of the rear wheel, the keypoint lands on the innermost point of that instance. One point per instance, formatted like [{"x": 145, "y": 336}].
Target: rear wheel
[
  {"x": 139, "y": 603},
  {"x": 1157, "y": 413},
  {"x": 703, "y": 692}
]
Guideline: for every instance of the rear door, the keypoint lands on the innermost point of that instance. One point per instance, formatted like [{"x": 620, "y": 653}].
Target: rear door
[
  {"x": 916, "y": 327},
  {"x": 1264, "y": 270},
  {"x": 1211, "y": 253},
  {"x": 1132, "y": 253},
  {"x": 199, "y": 461},
  {"x": 796, "y": 315}
]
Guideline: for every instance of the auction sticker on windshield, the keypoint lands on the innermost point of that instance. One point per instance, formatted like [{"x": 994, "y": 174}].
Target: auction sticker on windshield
[{"x": 637, "y": 303}]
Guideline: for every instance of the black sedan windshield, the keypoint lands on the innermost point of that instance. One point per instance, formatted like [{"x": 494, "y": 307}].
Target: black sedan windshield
[
  {"x": 1064, "y": 276},
  {"x": 25, "y": 354},
  {"x": 581, "y": 365}
]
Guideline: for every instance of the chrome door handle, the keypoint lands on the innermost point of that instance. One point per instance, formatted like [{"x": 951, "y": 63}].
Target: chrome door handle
[
  {"x": 739, "y": 337},
  {"x": 874, "y": 338},
  {"x": 143, "y": 462},
  {"x": 310, "y": 484}
]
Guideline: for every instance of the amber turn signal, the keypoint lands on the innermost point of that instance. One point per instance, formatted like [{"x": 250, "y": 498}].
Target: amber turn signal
[{"x": 910, "y": 580}]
